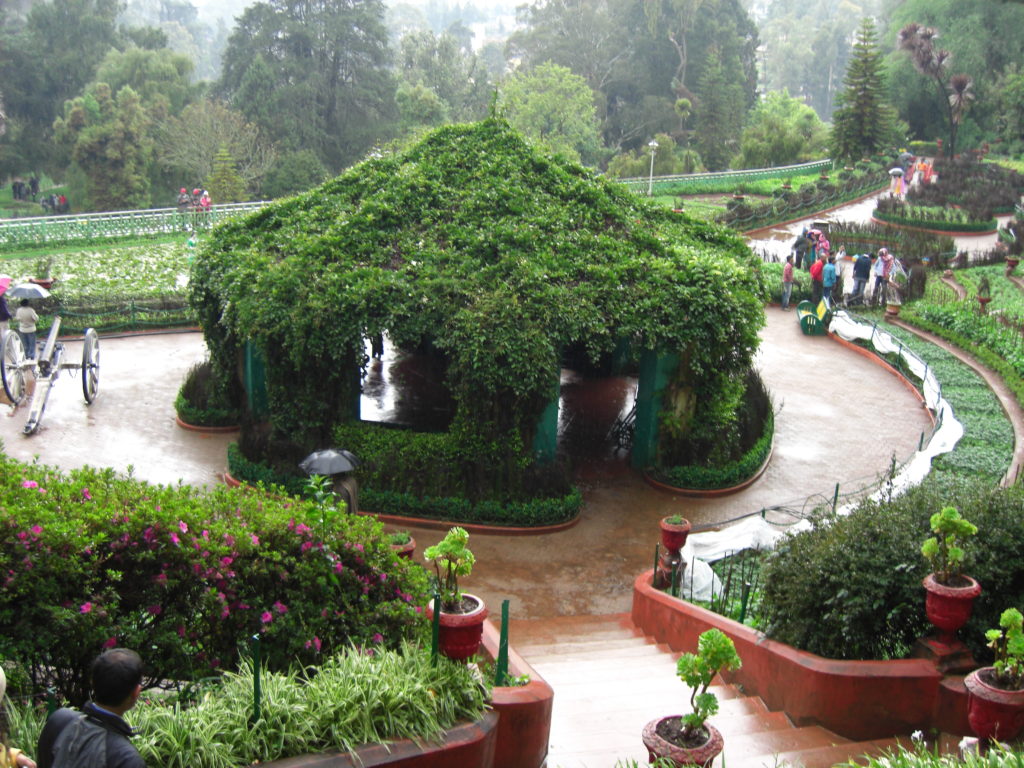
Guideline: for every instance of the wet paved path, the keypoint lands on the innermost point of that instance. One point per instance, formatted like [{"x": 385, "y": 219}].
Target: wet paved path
[{"x": 840, "y": 418}]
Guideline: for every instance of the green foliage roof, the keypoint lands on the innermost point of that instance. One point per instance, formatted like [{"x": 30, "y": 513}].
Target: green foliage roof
[{"x": 498, "y": 254}]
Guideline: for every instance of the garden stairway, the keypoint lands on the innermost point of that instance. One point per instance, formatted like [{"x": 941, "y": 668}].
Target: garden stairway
[{"x": 609, "y": 680}]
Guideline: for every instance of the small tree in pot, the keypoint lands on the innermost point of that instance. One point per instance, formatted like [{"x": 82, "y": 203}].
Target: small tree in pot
[
  {"x": 950, "y": 593},
  {"x": 462, "y": 615},
  {"x": 995, "y": 702},
  {"x": 690, "y": 739}
]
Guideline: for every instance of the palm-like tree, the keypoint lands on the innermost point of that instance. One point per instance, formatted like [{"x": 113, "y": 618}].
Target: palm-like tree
[{"x": 919, "y": 42}]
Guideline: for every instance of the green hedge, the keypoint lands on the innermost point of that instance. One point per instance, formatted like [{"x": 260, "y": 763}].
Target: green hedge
[
  {"x": 547, "y": 510},
  {"x": 728, "y": 476},
  {"x": 994, "y": 345},
  {"x": 533, "y": 512},
  {"x": 935, "y": 224},
  {"x": 91, "y": 560},
  {"x": 259, "y": 474},
  {"x": 850, "y": 588}
]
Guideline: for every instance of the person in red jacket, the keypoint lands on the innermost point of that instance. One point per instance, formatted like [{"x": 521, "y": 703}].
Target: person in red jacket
[{"x": 817, "y": 285}]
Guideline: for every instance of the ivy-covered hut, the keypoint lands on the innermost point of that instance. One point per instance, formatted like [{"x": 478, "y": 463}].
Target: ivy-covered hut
[{"x": 474, "y": 245}]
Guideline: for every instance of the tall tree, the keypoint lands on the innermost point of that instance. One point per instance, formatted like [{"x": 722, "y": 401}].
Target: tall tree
[
  {"x": 189, "y": 143},
  {"x": 109, "y": 140},
  {"x": 45, "y": 62},
  {"x": 555, "y": 108},
  {"x": 720, "y": 113},
  {"x": 782, "y": 130},
  {"x": 323, "y": 82},
  {"x": 863, "y": 122},
  {"x": 453, "y": 73},
  {"x": 919, "y": 43},
  {"x": 224, "y": 184}
]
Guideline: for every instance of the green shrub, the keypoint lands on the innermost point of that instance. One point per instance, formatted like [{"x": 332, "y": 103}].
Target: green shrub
[
  {"x": 199, "y": 401},
  {"x": 258, "y": 474},
  {"x": 850, "y": 588},
  {"x": 726, "y": 476},
  {"x": 185, "y": 577}
]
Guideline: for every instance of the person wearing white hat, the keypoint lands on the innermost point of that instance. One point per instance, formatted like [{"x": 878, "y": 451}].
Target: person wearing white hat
[{"x": 9, "y": 756}]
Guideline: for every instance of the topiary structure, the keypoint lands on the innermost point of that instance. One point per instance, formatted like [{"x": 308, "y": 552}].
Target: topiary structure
[{"x": 473, "y": 244}]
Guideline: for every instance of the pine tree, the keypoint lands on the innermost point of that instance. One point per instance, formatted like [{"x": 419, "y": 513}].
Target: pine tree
[
  {"x": 224, "y": 184},
  {"x": 863, "y": 122}
]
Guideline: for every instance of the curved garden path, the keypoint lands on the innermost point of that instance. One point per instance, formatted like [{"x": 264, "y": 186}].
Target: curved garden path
[{"x": 840, "y": 419}]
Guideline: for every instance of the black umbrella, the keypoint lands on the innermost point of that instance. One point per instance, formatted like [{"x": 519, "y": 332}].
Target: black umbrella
[{"x": 329, "y": 461}]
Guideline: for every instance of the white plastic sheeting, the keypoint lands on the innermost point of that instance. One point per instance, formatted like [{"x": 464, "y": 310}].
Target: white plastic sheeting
[{"x": 755, "y": 532}]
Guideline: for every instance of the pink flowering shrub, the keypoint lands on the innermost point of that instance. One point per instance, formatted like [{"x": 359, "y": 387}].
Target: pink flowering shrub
[{"x": 90, "y": 560}]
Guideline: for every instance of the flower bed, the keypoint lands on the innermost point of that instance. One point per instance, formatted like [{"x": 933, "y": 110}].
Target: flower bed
[{"x": 102, "y": 560}]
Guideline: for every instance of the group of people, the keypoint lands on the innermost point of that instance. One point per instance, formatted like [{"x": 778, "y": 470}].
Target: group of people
[
  {"x": 836, "y": 278},
  {"x": 22, "y": 191},
  {"x": 26, "y": 318},
  {"x": 197, "y": 202},
  {"x": 97, "y": 736},
  {"x": 53, "y": 203}
]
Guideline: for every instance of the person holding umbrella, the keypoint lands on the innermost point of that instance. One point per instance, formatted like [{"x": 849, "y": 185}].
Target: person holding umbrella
[
  {"x": 5, "y": 312},
  {"x": 27, "y": 319}
]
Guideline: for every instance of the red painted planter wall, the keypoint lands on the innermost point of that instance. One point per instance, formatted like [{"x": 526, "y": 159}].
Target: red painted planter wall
[
  {"x": 524, "y": 712},
  {"x": 468, "y": 746},
  {"x": 860, "y": 700}
]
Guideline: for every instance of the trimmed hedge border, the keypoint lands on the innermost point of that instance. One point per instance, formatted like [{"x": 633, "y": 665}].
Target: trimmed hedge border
[
  {"x": 985, "y": 356},
  {"x": 524, "y": 514},
  {"x": 934, "y": 225},
  {"x": 732, "y": 477}
]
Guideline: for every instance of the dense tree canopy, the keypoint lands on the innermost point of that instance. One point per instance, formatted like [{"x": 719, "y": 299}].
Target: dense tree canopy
[
  {"x": 312, "y": 75},
  {"x": 497, "y": 256},
  {"x": 782, "y": 130}
]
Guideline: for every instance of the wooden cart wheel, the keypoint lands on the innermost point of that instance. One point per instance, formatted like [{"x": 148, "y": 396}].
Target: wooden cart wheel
[
  {"x": 90, "y": 365},
  {"x": 12, "y": 358}
]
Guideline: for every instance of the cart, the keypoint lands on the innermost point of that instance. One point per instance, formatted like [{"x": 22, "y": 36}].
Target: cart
[{"x": 46, "y": 368}]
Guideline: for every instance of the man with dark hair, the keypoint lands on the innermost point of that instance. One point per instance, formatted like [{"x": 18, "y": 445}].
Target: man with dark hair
[{"x": 97, "y": 737}]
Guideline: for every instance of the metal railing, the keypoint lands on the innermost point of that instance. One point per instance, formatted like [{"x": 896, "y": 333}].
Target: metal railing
[
  {"x": 707, "y": 179},
  {"x": 110, "y": 225}
]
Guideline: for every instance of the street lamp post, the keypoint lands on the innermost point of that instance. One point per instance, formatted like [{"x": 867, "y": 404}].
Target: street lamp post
[{"x": 653, "y": 146}]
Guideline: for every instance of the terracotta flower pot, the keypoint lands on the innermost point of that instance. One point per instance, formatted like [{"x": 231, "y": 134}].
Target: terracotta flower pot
[
  {"x": 892, "y": 310},
  {"x": 994, "y": 713},
  {"x": 949, "y": 608},
  {"x": 43, "y": 282},
  {"x": 1011, "y": 264},
  {"x": 405, "y": 550},
  {"x": 460, "y": 633},
  {"x": 673, "y": 535},
  {"x": 983, "y": 302},
  {"x": 701, "y": 756}
]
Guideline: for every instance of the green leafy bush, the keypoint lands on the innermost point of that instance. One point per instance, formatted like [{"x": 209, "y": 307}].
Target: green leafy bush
[
  {"x": 199, "y": 401},
  {"x": 726, "y": 476},
  {"x": 185, "y": 577},
  {"x": 850, "y": 588}
]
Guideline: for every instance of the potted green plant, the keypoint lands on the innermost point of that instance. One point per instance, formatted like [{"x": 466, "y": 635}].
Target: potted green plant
[
  {"x": 995, "y": 695},
  {"x": 949, "y": 593},
  {"x": 402, "y": 543},
  {"x": 42, "y": 272},
  {"x": 690, "y": 739},
  {"x": 674, "y": 530},
  {"x": 462, "y": 614},
  {"x": 984, "y": 292}
]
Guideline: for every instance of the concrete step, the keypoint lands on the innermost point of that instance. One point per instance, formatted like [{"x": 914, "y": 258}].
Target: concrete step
[
  {"x": 524, "y": 633},
  {"x": 741, "y": 747},
  {"x": 593, "y": 650},
  {"x": 819, "y": 757}
]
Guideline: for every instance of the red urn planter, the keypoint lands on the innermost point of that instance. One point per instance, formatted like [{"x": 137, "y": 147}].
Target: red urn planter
[
  {"x": 994, "y": 713},
  {"x": 659, "y": 747},
  {"x": 406, "y": 550},
  {"x": 673, "y": 535},
  {"x": 983, "y": 302},
  {"x": 949, "y": 608},
  {"x": 460, "y": 633},
  {"x": 1011, "y": 264},
  {"x": 43, "y": 282}
]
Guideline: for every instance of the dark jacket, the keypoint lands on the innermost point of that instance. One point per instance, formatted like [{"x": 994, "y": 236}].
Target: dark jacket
[
  {"x": 862, "y": 267},
  {"x": 120, "y": 752}
]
